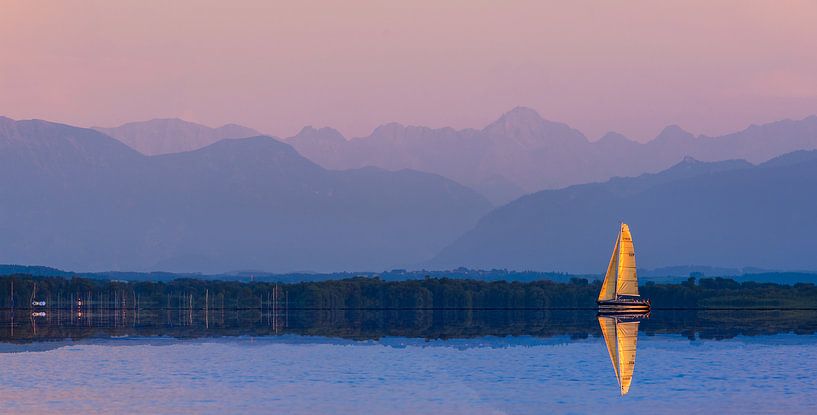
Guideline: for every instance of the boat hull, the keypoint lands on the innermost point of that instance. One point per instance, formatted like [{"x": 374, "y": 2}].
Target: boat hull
[{"x": 624, "y": 306}]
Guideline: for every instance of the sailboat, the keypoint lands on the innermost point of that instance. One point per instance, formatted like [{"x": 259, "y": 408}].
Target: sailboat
[
  {"x": 619, "y": 291},
  {"x": 620, "y": 336}
]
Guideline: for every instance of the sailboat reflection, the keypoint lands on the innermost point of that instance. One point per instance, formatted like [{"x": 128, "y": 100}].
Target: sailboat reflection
[{"x": 620, "y": 334}]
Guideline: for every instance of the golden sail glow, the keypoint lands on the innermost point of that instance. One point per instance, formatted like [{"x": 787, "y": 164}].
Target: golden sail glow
[
  {"x": 608, "y": 287},
  {"x": 620, "y": 278},
  {"x": 626, "y": 281},
  {"x": 620, "y": 338},
  {"x": 626, "y": 338}
]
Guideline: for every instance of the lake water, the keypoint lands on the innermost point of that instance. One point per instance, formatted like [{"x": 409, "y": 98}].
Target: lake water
[{"x": 472, "y": 362}]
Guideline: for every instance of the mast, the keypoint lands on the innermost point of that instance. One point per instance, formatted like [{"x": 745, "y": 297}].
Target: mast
[
  {"x": 608, "y": 287},
  {"x": 627, "y": 282}
]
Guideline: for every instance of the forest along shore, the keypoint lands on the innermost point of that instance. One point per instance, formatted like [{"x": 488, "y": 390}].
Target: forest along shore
[{"x": 45, "y": 293}]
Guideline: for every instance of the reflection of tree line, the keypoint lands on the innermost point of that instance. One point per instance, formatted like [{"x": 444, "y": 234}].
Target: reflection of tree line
[
  {"x": 374, "y": 324},
  {"x": 361, "y": 293}
]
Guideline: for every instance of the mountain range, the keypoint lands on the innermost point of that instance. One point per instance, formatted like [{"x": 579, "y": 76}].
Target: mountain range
[
  {"x": 78, "y": 199},
  {"x": 728, "y": 213},
  {"x": 519, "y": 153},
  {"x": 522, "y": 153},
  {"x": 75, "y": 198}
]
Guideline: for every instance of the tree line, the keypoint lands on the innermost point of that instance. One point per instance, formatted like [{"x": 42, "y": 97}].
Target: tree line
[{"x": 20, "y": 291}]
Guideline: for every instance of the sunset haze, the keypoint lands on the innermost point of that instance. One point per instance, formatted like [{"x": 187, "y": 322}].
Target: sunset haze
[{"x": 711, "y": 67}]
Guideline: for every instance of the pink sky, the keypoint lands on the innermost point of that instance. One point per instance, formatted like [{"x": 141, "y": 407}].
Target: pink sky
[{"x": 634, "y": 67}]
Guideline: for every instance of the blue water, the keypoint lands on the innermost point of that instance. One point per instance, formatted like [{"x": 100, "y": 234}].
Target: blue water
[{"x": 296, "y": 374}]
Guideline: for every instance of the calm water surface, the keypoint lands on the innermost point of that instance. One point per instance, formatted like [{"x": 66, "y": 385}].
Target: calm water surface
[{"x": 494, "y": 362}]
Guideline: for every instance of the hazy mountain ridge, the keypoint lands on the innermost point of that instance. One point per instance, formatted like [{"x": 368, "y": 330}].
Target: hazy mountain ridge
[
  {"x": 724, "y": 214},
  {"x": 173, "y": 135},
  {"x": 74, "y": 198},
  {"x": 521, "y": 152}
]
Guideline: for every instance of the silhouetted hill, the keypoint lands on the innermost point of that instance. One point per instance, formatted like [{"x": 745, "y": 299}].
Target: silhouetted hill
[
  {"x": 172, "y": 135},
  {"x": 724, "y": 214},
  {"x": 76, "y": 199}
]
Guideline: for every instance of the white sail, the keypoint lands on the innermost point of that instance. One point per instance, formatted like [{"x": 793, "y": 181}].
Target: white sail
[
  {"x": 608, "y": 287},
  {"x": 627, "y": 281}
]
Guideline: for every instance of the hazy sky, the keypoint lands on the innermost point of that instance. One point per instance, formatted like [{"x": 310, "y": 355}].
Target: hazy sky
[{"x": 633, "y": 67}]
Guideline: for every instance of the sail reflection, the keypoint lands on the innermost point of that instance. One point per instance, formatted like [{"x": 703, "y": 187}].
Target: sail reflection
[{"x": 620, "y": 335}]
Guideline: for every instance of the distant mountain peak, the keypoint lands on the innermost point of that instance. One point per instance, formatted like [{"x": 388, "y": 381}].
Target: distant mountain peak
[
  {"x": 522, "y": 113},
  {"x": 238, "y": 127},
  {"x": 613, "y": 137},
  {"x": 388, "y": 128},
  {"x": 519, "y": 117},
  {"x": 673, "y": 133},
  {"x": 307, "y": 129},
  {"x": 527, "y": 127},
  {"x": 53, "y": 143},
  {"x": 165, "y": 122},
  {"x": 323, "y": 133},
  {"x": 256, "y": 143},
  {"x": 175, "y": 122}
]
